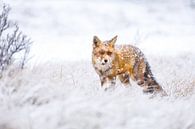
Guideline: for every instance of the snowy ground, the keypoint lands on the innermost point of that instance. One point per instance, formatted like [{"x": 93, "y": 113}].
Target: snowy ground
[{"x": 59, "y": 88}]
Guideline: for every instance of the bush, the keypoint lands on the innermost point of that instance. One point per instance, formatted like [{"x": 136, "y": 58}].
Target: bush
[{"x": 12, "y": 42}]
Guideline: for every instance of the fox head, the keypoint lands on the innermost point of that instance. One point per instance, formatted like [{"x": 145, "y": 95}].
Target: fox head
[{"x": 103, "y": 52}]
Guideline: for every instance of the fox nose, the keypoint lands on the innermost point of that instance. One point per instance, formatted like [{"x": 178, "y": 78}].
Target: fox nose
[{"x": 104, "y": 61}]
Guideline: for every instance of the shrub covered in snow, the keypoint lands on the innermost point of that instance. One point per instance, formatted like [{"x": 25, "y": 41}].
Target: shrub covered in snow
[{"x": 12, "y": 41}]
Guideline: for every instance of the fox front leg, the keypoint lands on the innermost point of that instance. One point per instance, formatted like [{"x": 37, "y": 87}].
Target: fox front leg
[
  {"x": 103, "y": 80},
  {"x": 107, "y": 82},
  {"x": 112, "y": 81},
  {"x": 124, "y": 78}
]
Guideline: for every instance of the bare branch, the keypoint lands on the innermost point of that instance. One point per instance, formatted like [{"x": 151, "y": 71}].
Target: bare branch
[{"x": 11, "y": 43}]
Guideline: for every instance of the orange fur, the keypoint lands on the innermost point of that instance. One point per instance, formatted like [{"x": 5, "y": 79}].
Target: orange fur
[{"x": 123, "y": 61}]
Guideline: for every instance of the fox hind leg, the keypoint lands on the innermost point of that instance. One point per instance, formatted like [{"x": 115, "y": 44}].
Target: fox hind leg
[{"x": 138, "y": 72}]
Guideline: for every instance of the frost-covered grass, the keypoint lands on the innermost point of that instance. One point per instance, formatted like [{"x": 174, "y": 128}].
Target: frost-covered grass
[
  {"x": 59, "y": 88},
  {"x": 67, "y": 95}
]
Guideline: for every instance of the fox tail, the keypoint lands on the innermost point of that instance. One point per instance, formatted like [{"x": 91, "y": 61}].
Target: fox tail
[{"x": 149, "y": 82}]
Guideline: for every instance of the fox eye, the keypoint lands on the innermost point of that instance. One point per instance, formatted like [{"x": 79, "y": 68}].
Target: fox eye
[{"x": 109, "y": 53}]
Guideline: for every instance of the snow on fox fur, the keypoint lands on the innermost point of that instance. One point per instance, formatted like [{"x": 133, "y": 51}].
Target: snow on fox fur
[{"x": 124, "y": 61}]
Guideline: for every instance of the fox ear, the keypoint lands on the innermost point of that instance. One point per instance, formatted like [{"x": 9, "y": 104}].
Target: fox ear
[
  {"x": 96, "y": 41},
  {"x": 113, "y": 41}
]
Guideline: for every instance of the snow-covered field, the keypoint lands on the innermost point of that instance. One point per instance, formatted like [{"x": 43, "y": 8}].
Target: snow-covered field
[{"x": 59, "y": 88}]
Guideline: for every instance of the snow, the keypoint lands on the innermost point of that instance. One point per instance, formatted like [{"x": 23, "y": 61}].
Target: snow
[{"x": 59, "y": 88}]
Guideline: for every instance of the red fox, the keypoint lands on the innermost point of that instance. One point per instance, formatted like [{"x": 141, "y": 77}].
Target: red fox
[{"x": 123, "y": 61}]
